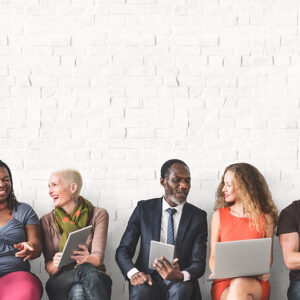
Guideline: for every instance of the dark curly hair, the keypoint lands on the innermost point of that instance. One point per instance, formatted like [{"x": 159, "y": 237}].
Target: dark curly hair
[{"x": 12, "y": 202}]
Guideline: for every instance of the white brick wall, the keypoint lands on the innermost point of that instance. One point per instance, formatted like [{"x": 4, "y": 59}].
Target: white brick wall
[{"x": 116, "y": 87}]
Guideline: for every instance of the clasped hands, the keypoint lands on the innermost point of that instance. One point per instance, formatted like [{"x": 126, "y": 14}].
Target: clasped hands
[
  {"x": 164, "y": 268},
  {"x": 80, "y": 256},
  {"x": 25, "y": 250}
]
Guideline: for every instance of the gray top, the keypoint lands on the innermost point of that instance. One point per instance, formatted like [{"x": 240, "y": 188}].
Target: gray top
[{"x": 13, "y": 232}]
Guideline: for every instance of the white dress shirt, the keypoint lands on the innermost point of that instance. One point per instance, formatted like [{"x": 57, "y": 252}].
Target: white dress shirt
[{"x": 164, "y": 231}]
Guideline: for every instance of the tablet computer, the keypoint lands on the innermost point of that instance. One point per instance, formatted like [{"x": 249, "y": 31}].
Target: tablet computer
[
  {"x": 75, "y": 238},
  {"x": 157, "y": 250}
]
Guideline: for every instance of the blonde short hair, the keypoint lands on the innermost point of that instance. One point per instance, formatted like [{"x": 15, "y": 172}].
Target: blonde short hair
[{"x": 71, "y": 176}]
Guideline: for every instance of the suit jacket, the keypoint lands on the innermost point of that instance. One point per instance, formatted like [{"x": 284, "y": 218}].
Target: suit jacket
[{"x": 145, "y": 222}]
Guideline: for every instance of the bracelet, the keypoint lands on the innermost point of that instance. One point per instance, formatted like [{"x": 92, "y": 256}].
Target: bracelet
[{"x": 30, "y": 244}]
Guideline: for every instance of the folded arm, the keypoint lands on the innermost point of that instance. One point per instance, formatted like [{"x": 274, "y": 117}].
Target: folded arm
[{"x": 289, "y": 243}]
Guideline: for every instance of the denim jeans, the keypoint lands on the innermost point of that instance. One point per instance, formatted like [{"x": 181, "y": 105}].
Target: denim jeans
[
  {"x": 84, "y": 282},
  {"x": 162, "y": 290},
  {"x": 96, "y": 285},
  {"x": 77, "y": 292},
  {"x": 294, "y": 290}
]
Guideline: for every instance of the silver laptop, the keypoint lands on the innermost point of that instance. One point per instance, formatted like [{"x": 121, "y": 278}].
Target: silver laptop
[{"x": 242, "y": 258}]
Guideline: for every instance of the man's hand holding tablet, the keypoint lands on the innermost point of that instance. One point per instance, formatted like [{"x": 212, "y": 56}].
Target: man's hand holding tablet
[
  {"x": 161, "y": 259},
  {"x": 167, "y": 270}
]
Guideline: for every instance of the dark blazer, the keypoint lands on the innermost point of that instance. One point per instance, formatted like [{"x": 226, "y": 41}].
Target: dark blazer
[{"x": 145, "y": 222}]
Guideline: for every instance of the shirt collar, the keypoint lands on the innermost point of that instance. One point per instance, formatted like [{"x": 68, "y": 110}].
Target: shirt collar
[{"x": 165, "y": 206}]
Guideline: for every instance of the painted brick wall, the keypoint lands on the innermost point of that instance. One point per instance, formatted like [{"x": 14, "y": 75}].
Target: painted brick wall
[{"x": 116, "y": 87}]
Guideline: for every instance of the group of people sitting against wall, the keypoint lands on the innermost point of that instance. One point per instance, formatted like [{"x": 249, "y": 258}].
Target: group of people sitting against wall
[{"x": 244, "y": 210}]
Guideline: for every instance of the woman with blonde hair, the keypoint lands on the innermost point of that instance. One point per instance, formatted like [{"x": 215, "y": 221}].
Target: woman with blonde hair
[
  {"x": 85, "y": 278},
  {"x": 244, "y": 209}
]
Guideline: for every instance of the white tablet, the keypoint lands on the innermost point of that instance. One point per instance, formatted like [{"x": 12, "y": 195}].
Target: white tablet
[
  {"x": 75, "y": 238},
  {"x": 157, "y": 250}
]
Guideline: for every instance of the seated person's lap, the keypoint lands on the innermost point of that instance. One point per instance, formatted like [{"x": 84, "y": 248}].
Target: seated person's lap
[
  {"x": 62, "y": 283},
  {"x": 181, "y": 290},
  {"x": 20, "y": 285},
  {"x": 160, "y": 291},
  {"x": 220, "y": 285}
]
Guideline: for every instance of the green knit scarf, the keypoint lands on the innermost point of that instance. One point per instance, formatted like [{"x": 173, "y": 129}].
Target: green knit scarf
[{"x": 78, "y": 219}]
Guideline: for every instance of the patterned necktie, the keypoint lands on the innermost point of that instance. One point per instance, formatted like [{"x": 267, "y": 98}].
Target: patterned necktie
[{"x": 170, "y": 236}]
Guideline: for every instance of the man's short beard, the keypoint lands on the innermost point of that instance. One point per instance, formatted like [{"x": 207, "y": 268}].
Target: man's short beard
[{"x": 175, "y": 200}]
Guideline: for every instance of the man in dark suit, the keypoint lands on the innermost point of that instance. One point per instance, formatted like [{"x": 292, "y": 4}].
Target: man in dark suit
[{"x": 185, "y": 227}]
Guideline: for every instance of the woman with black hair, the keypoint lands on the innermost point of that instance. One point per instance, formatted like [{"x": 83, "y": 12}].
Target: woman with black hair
[{"x": 20, "y": 240}]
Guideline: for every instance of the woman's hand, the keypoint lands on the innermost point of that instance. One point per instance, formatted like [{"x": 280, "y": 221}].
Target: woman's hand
[
  {"x": 81, "y": 256},
  {"x": 25, "y": 250},
  {"x": 56, "y": 259},
  {"x": 211, "y": 276},
  {"x": 263, "y": 277},
  {"x": 52, "y": 265}
]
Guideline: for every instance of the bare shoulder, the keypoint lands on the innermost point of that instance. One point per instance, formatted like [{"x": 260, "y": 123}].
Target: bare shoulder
[
  {"x": 214, "y": 228},
  {"x": 215, "y": 220},
  {"x": 270, "y": 225},
  {"x": 216, "y": 216},
  {"x": 269, "y": 219}
]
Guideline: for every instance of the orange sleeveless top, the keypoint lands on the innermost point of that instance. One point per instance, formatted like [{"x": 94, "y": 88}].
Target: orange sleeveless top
[{"x": 234, "y": 228}]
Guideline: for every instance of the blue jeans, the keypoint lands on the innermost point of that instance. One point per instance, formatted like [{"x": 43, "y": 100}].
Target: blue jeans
[
  {"x": 162, "y": 290},
  {"x": 294, "y": 290},
  {"x": 77, "y": 292},
  {"x": 84, "y": 282},
  {"x": 95, "y": 284}
]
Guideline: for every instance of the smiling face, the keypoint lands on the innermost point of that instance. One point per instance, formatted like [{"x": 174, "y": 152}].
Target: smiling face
[
  {"x": 230, "y": 193},
  {"x": 60, "y": 190},
  {"x": 5, "y": 185},
  {"x": 177, "y": 184}
]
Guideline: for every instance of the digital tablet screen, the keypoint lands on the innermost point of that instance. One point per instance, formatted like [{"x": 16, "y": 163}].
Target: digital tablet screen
[
  {"x": 75, "y": 238},
  {"x": 158, "y": 249}
]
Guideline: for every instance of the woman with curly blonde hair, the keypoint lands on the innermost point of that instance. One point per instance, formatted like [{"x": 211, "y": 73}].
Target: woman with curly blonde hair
[{"x": 244, "y": 209}]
